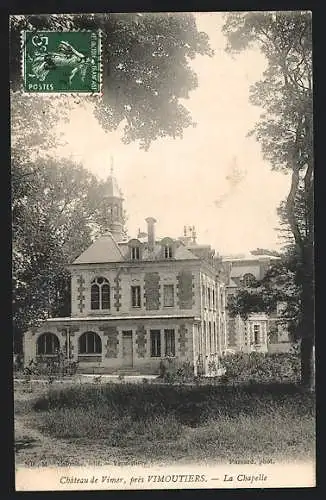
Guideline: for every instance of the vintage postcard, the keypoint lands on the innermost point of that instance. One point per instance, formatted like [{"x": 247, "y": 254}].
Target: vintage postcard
[{"x": 162, "y": 228}]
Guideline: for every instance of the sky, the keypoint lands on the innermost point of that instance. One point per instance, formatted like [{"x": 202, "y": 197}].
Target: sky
[{"x": 214, "y": 178}]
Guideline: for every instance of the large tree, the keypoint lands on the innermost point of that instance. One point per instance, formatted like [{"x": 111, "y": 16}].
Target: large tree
[
  {"x": 55, "y": 215},
  {"x": 285, "y": 132}
]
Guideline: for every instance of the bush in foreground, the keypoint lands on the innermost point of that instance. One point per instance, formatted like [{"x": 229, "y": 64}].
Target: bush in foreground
[{"x": 261, "y": 368}]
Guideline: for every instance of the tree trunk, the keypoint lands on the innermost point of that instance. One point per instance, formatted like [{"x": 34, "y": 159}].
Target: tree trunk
[
  {"x": 306, "y": 277},
  {"x": 308, "y": 363}
]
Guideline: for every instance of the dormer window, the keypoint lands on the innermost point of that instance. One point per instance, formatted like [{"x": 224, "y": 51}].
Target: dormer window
[
  {"x": 168, "y": 252},
  {"x": 135, "y": 249},
  {"x": 168, "y": 247},
  {"x": 135, "y": 253}
]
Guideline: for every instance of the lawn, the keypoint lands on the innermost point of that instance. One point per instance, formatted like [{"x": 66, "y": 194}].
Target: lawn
[{"x": 134, "y": 424}]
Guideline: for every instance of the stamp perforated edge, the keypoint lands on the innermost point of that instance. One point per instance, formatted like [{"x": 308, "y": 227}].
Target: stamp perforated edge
[{"x": 71, "y": 93}]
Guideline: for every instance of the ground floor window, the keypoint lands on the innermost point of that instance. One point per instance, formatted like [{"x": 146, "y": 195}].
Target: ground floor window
[
  {"x": 155, "y": 343},
  {"x": 210, "y": 337},
  {"x": 257, "y": 334},
  {"x": 47, "y": 343},
  {"x": 90, "y": 343},
  {"x": 169, "y": 339}
]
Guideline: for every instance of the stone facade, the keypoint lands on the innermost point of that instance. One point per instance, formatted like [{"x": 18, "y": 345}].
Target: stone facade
[
  {"x": 152, "y": 291},
  {"x": 131, "y": 337},
  {"x": 185, "y": 289},
  {"x": 257, "y": 333}
]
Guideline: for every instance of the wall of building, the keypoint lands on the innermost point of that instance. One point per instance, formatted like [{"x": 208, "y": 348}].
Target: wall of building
[
  {"x": 194, "y": 342},
  {"x": 212, "y": 331},
  {"x": 151, "y": 278},
  {"x": 111, "y": 358},
  {"x": 239, "y": 331}
]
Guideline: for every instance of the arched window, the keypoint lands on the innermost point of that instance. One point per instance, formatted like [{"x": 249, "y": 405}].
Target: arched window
[
  {"x": 100, "y": 294},
  {"x": 90, "y": 343},
  {"x": 47, "y": 344},
  {"x": 248, "y": 279}
]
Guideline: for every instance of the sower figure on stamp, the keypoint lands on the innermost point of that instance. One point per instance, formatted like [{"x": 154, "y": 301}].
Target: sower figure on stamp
[{"x": 66, "y": 56}]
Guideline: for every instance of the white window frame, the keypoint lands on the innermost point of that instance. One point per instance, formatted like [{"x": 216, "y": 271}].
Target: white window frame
[
  {"x": 136, "y": 297},
  {"x": 168, "y": 252},
  {"x": 135, "y": 253}
]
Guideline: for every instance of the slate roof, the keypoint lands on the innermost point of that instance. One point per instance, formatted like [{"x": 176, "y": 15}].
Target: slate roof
[{"x": 105, "y": 249}]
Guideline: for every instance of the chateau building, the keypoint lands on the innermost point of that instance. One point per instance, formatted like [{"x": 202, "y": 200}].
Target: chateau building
[
  {"x": 260, "y": 332},
  {"x": 136, "y": 301}
]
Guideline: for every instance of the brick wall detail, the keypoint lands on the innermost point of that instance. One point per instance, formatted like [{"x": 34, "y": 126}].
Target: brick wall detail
[
  {"x": 141, "y": 342},
  {"x": 185, "y": 289},
  {"x": 182, "y": 340},
  {"x": 81, "y": 293},
  {"x": 117, "y": 291},
  {"x": 111, "y": 333},
  {"x": 152, "y": 291}
]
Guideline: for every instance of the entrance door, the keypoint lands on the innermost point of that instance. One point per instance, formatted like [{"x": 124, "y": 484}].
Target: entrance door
[{"x": 127, "y": 348}]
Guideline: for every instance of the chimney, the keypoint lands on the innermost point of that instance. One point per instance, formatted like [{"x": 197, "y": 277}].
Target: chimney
[
  {"x": 194, "y": 235},
  {"x": 151, "y": 232}
]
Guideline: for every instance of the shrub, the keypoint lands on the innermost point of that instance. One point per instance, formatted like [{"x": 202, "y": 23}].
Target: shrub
[
  {"x": 56, "y": 366},
  {"x": 173, "y": 371},
  {"x": 258, "y": 367}
]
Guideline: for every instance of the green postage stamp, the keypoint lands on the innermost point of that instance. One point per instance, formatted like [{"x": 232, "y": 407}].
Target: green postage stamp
[{"x": 62, "y": 61}]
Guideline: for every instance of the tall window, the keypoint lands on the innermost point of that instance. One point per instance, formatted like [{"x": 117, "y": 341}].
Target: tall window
[
  {"x": 100, "y": 294},
  {"x": 169, "y": 339},
  {"x": 215, "y": 336},
  {"x": 210, "y": 337},
  {"x": 168, "y": 295},
  {"x": 204, "y": 295},
  {"x": 213, "y": 297},
  {"x": 168, "y": 252},
  {"x": 47, "y": 344},
  {"x": 155, "y": 343},
  {"x": 135, "y": 296},
  {"x": 90, "y": 343},
  {"x": 135, "y": 253},
  {"x": 257, "y": 334},
  {"x": 209, "y": 297}
]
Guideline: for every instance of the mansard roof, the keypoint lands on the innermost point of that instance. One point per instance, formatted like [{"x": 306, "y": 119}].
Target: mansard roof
[
  {"x": 104, "y": 249},
  {"x": 181, "y": 252}
]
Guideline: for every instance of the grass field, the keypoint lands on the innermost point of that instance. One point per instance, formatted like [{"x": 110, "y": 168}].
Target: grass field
[{"x": 163, "y": 424}]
